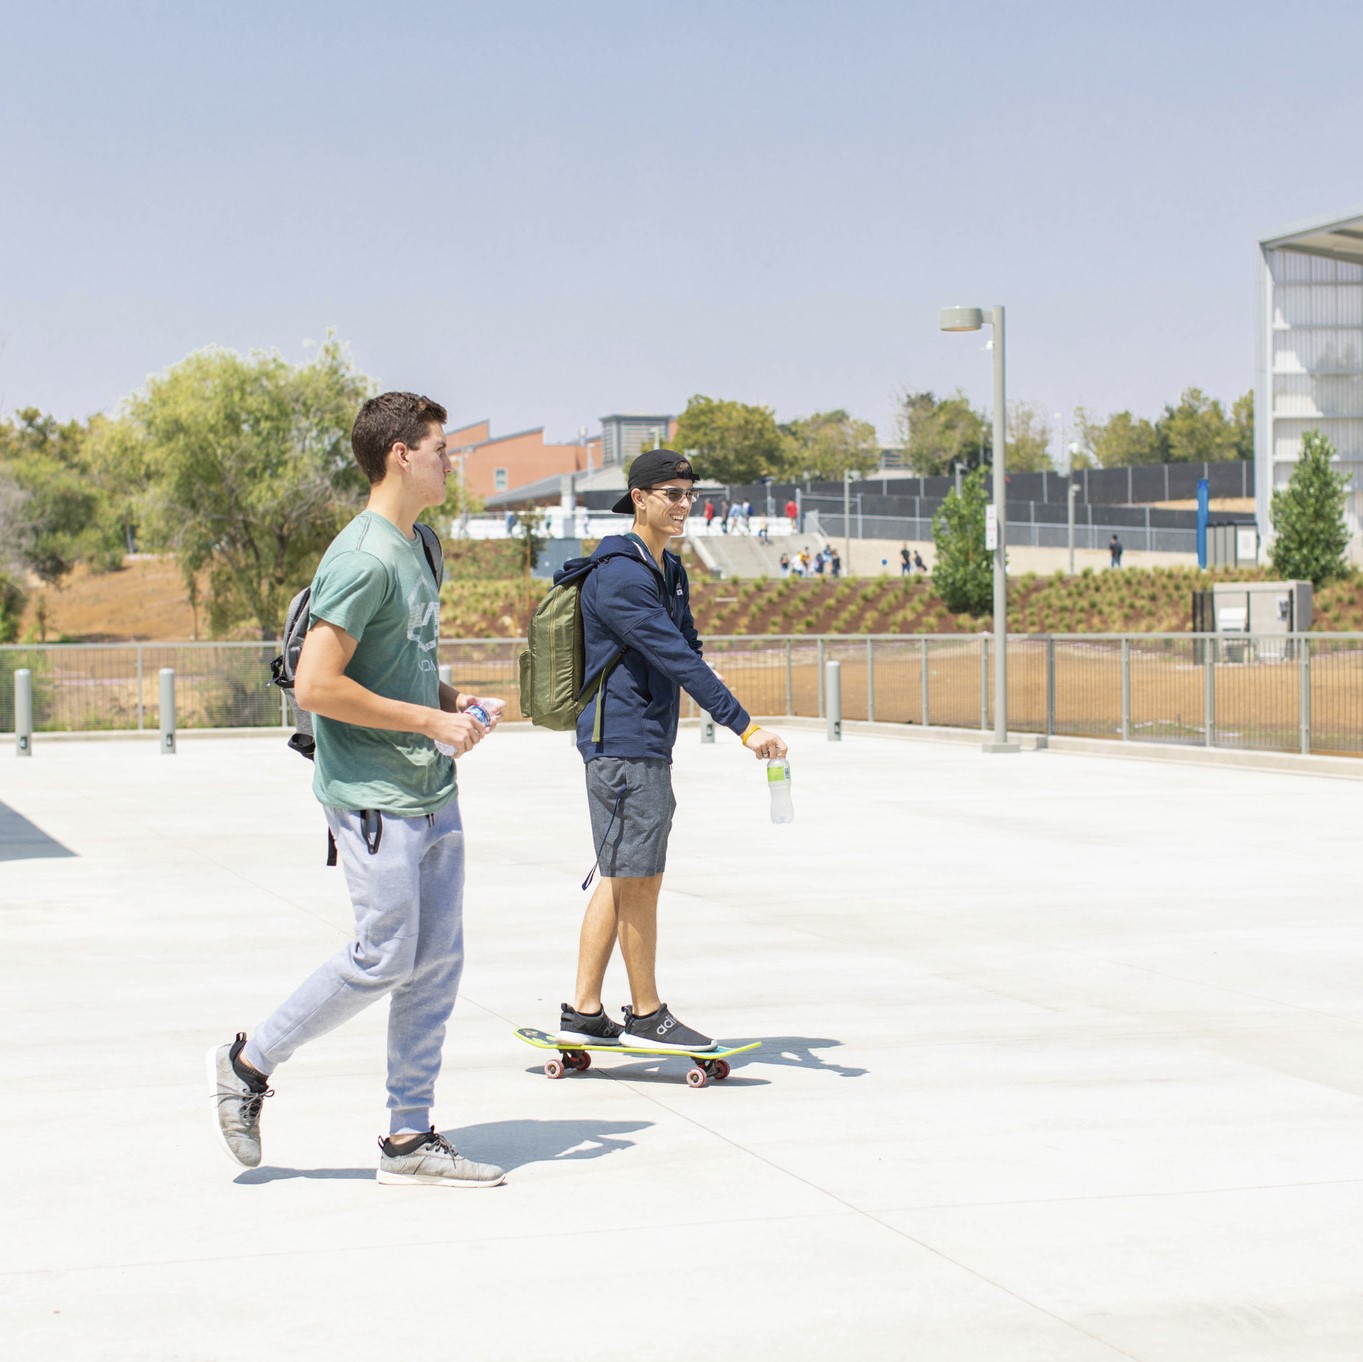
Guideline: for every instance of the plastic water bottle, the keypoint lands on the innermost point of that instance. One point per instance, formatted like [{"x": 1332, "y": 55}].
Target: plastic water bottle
[
  {"x": 478, "y": 713},
  {"x": 778, "y": 782}
]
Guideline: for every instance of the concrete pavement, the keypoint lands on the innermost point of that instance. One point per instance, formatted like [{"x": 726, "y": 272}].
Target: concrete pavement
[{"x": 1061, "y": 1060}]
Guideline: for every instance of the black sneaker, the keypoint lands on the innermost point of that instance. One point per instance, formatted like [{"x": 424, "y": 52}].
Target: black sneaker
[
  {"x": 660, "y": 1030},
  {"x": 588, "y": 1028}
]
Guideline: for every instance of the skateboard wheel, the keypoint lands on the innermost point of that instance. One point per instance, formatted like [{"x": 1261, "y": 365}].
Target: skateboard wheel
[
  {"x": 696, "y": 1078},
  {"x": 580, "y": 1060},
  {"x": 719, "y": 1069},
  {"x": 553, "y": 1068}
]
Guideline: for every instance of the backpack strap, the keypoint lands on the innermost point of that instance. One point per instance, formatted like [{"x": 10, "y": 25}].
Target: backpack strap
[{"x": 435, "y": 554}]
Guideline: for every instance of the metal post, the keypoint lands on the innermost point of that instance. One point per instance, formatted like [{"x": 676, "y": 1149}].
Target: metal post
[
  {"x": 1126, "y": 690},
  {"x": 790, "y": 678},
  {"x": 139, "y": 688},
  {"x": 23, "y": 712},
  {"x": 1305, "y": 676},
  {"x": 870, "y": 681},
  {"x": 847, "y": 516},
  {"x": 1074, "y": 491},
  {"x": 923, "y": 680},
  {"x": 167, "y": 711},
  {"x": 707, "y": 727},
  {"x": 446, "y": 673},
  {"x": 1209, "y": 696},
  {"x": 1000, "y": 743},
  {"x": 833, "y": 694},
  {"x": 1050, "y": 684},
  {"x": 984, "y": 682},
  {"x": 818, "y": 667}
]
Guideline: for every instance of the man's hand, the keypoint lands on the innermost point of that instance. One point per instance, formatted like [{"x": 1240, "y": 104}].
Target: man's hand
[
  {"x": 458, "y": 731},
  {"x": 491, "y": 704},
  {"x": 764, "y": 744}
]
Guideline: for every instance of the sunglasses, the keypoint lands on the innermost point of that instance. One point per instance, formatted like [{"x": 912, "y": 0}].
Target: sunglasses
[{"x": 676, "y": 494}]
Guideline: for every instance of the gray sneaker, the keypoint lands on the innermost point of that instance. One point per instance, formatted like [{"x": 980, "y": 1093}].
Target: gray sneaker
[
  {"x": 430, "y": 1160},
  {"x": 237, "y": 1098}
]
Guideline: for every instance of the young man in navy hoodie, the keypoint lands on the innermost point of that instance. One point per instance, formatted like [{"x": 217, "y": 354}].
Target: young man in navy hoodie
[{"x": 636, "y": 606}]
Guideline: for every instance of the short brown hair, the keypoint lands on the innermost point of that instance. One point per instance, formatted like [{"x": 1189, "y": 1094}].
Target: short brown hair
[{"x": 389, "y": 419}]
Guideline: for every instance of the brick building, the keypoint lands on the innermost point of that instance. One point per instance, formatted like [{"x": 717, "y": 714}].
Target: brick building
[{"x": 488, "y": 464}]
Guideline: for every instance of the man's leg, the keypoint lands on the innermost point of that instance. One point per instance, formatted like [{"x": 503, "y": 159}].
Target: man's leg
[
  {"x": 383, "y": 891},
  {"x": 421, "y": 1005},
  {"x": 623, "y": 908}
]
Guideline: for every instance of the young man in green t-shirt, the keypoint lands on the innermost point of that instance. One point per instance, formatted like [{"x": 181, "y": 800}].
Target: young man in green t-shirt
[{"x": 368, "y": 674}]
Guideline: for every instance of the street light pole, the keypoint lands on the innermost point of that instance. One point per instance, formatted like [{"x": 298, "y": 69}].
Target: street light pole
[
  {"x": 972, "y": 319},
  {"x": 1073, "y": 492},
  {"x": 847, "y": 518}
]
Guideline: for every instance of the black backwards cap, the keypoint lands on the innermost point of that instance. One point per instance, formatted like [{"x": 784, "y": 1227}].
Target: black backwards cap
[{"x": 651, "y": 467}]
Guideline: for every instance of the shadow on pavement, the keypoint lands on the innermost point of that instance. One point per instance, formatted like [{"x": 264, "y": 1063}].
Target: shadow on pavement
[
  {"x": 510, "y": 1144},
  {"x": 21, "y": 840},
  {"x": 798, "y": 1051},
  {"x": 514, "y": 1143}
]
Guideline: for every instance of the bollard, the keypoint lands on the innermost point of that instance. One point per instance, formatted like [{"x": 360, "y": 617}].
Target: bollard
[
  {"x": 23, "y": 712},
  {"x": 833, "y": 699},
  {"x": 446, "y": 673},
  {"x": 167, "y": 711},
  {"x": 707, "y": 727}
]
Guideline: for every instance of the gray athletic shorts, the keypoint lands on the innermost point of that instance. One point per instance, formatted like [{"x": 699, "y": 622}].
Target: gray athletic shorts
[{"x": 634, "y": 842}]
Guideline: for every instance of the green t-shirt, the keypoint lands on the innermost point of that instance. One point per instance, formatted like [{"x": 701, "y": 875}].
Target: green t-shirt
[{"x": 376, "y": 584}]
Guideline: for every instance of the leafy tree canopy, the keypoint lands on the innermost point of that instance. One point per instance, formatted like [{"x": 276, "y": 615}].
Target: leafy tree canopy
[
  {"x": 1029, "y": 438},
  {"x": 1311, "y": 534},
  {"x": 252, "y": 472},
  {"x": 730, "y": 441},
  {"x": 49, "y": 509},
  {"x": 829, "y": 444},
  {"x": 938, "y": 435}
]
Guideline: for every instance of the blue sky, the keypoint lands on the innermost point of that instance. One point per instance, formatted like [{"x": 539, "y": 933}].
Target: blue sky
[{"x": 543, "y": 212}]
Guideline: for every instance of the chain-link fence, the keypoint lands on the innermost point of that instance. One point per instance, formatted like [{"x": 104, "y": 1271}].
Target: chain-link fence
[{"x": 1294, "y": 692}]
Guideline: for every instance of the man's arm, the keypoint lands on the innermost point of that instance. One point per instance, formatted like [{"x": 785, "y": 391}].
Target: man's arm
[{"x": 321, "y": 686}]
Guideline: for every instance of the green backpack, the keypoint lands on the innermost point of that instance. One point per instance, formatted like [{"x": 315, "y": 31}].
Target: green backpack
[{"x": 554, "y": 688}]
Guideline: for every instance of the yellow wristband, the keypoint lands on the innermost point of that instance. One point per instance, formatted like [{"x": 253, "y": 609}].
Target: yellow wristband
[{"x": 749, "y": 731}]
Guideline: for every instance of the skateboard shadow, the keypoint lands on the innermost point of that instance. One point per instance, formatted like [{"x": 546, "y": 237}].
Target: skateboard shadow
[
  {"x": 798, "y": 1051},
  {"x": 510, "y": 1144}
]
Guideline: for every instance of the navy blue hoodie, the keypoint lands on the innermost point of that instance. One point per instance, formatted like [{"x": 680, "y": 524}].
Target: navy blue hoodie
[{"x": 625, "y": 604}]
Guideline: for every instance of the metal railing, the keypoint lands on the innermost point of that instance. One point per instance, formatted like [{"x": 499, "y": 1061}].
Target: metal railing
[{"x": 1280, "y": 692}]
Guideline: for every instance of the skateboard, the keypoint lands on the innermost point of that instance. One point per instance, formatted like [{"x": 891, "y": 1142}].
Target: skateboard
[{"x": 705, "y": 1064}]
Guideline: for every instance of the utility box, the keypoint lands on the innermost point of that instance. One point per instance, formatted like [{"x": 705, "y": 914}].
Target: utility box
[{"x": 1257, "y": 609}]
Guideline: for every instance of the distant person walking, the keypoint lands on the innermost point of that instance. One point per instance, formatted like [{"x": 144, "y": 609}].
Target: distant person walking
[
  {"x": 918, "y": 561},
  {"x": 793, "y": 515},
  {"x": 905, "y": 561},
  {"x": 835, "y": 562},
  {"x": 709, "y": 515},
  {"x": 1114, "y": 550},
  {"x": 724, "y": 516},
  {"x": 785, "y": 565}
]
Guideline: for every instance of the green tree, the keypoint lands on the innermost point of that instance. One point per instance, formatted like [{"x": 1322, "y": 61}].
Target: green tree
[
  {"x": 1120, "y": 441},
  {"x": 13, "y": 598},
  {"x": 1242, "y": 422},
  {"x": 1029, "y": 438},
  {"x": 829, "y": 444},
  {"x": 963, "y": 573},
  {"x": 1197, "y": 431},
  {"x": 1311, "y": 534},
  {"x": 252, "y": 472},
  {"x": 730, "y": 441},
  {"x": 937, "y": 435},
  {"x": 60, "y": 523}
]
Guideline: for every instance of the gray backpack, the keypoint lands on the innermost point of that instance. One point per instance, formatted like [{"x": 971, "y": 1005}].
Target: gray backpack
[{"x": 298, "y": 620}]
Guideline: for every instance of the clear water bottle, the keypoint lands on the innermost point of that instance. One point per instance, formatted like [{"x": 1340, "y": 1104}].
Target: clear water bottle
[
  {"x": 778, "y": 782},
  {"x": 478, "y": 713}
]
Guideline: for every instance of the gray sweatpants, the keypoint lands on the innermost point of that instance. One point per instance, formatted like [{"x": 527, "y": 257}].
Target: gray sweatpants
[{"x": 409, "y": 944}]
